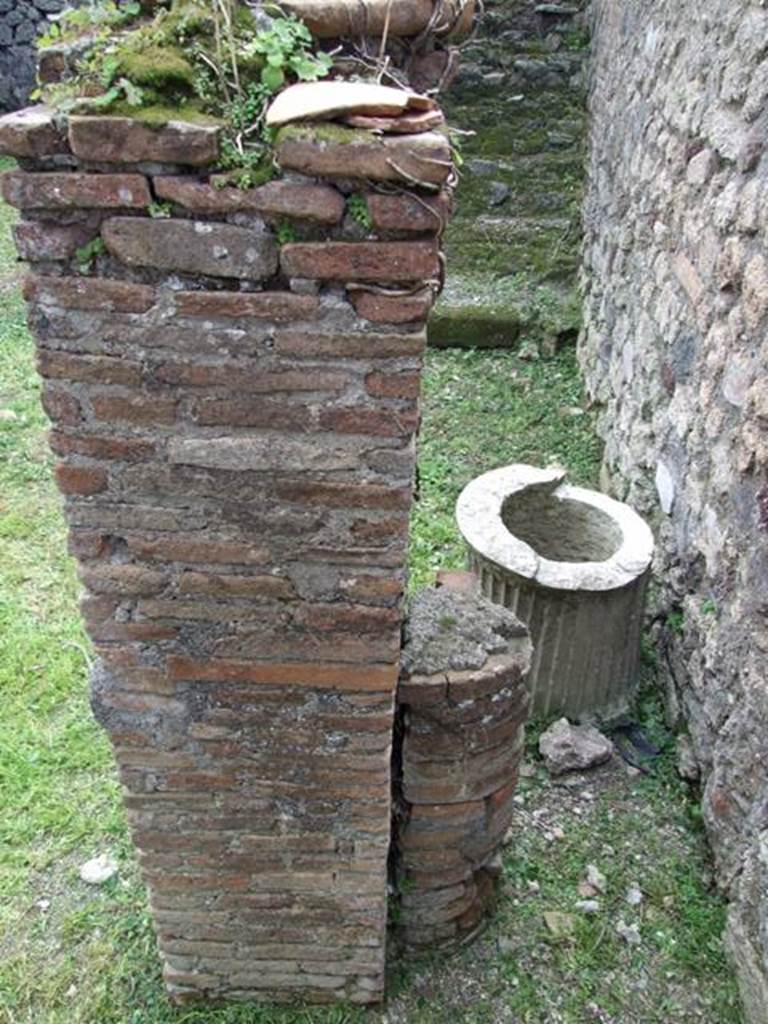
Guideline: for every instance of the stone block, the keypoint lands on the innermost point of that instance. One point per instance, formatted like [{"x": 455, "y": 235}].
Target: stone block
[
  {"x": 411, "y": 213},
  {"x": 260, "y": 453},
  {"x": 317, "y": 204},
  {"x": 361, "y": 261},
  {"x": 192, "y": 247},
  {"x": 38, "y": 241},
  {"x": 56, "y": 190},
  {"x": 350, "y": 346},
  {"x": 275, "y": 306},
  {"x": 122, "y": 140},
  {"x": 417, "y": 160},
  {"x": 381, "y": 307},
  {"x": 89, "y": 294},
  {"x": 31, "y": 133}
]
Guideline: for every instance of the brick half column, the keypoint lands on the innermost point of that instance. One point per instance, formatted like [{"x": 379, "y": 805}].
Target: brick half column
[
  {"x": 234, "y": 418},
  {"x": 462, "y": 705}
]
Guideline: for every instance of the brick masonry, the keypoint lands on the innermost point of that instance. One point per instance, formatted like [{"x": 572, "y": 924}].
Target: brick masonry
[
  {"x": 234, "y": 429},
  {"x": 462, "y": 707}
]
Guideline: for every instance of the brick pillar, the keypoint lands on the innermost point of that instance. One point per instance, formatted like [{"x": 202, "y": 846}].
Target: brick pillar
[
  {"x": 463, "y": 705},
  {"x": 234, "y": 422}
]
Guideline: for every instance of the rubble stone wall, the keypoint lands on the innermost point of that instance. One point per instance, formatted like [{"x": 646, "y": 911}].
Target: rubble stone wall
[
  {"x": 232, "y": 379},
  {"x": 20, "y": 24},
  {"x": 674, "y": 350}
]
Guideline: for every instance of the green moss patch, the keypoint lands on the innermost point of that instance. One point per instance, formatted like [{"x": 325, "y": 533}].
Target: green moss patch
[
  {"x": 336, "y": 134},
  {"x": 159, "y": 115},
  {"x": 162, "y": 68}
]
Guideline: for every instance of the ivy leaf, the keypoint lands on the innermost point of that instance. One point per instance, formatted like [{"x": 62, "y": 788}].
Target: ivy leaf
[
  {"x": 131, "y": 9},
  {"x": 108, "y": 70},
  {"x": 272, "y": 77},
  {"x": 133, "y": 94},
  {"x": 106, "y": 98}
]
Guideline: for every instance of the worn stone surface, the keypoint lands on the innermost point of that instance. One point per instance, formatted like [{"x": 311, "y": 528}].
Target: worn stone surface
[
  {"x": 674, "y": 352},
  {"x": 462, "y": 708},
  {"x": 354, "y": 153},
  {"x": 192, "y": 247},
  {"x": 32, "y": 132},
  {"x": 315, "y": 203},
  {"x": 122, "y": 140},
  {"x": 39, "y": 240},
  {"x": 447, "y": 629},
  {"x": 573, "y": 748},
  {"x": 63, "y": 191}
]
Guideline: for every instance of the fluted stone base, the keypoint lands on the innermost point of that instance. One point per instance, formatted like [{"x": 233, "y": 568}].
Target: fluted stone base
[{"x": 573, "y": 565}]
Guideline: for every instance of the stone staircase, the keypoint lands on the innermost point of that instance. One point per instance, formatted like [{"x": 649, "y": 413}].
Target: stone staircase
[{"x": 513, "y": 247}]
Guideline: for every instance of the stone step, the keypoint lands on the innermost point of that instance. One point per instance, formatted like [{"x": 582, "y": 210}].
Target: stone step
[{"x": 507, "y": 312}]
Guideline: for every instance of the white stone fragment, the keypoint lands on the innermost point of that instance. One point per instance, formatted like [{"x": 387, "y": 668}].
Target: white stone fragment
[
  {"x": 629, "y": 932},
  {"x": 588, "y": 906},
  {"x": 665, "y": 488},
  {"x": 99, "y": 869},
  {"x": 634, "y": 895},
  {"x": 596, "y": 878},
  {"x": 569, "y": 748}
]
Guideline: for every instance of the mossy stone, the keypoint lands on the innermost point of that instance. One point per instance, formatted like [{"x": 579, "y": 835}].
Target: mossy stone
[
  {"x": 337, "y": 134},
  {"x": 164, "y": 69},
  {"x": 157, "y": 115},
  {"x": 188, "y": 18}
]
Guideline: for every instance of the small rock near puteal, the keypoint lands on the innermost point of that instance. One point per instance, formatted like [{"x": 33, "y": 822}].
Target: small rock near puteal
[
  {"x": 570, "y": 748},
  {"x": 629, "y": 932},
  {"x": 98, "y": 870}
]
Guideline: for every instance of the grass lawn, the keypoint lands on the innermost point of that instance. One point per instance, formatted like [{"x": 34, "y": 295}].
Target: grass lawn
[{"x": 72, "y": 954}]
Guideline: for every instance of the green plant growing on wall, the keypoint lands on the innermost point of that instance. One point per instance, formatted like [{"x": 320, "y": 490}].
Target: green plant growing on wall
[
  {"x": 94, "y": 18},
  {"x": 193, "y": 60},
  {"x": 159, "y": 210},
  {"x": 86, "y": 254},
  {"x": 285, "y": 232},
  {"x": 357, "y": 205},
  {"x": 676, "y": 621}
]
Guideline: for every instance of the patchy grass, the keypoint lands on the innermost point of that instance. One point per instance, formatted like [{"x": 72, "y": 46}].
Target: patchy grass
[
  {"x": 488, "y": 409},
  {"x": 71, "y": 954}
]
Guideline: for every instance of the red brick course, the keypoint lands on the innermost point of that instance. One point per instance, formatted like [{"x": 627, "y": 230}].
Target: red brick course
[
  {"x": 415, "y": 214},
  {"x": 361, "y": 261},
  {"x": 382, "y": 308},
  {"x": 277, "y": 306},
  {"x": 66, "y": 191},
  {"x": 83, "y": 293},
  {"x": 318, "y": 204}
]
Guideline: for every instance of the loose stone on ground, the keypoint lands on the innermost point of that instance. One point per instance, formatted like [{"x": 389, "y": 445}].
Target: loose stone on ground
[{"x": 569, "y": 748}]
